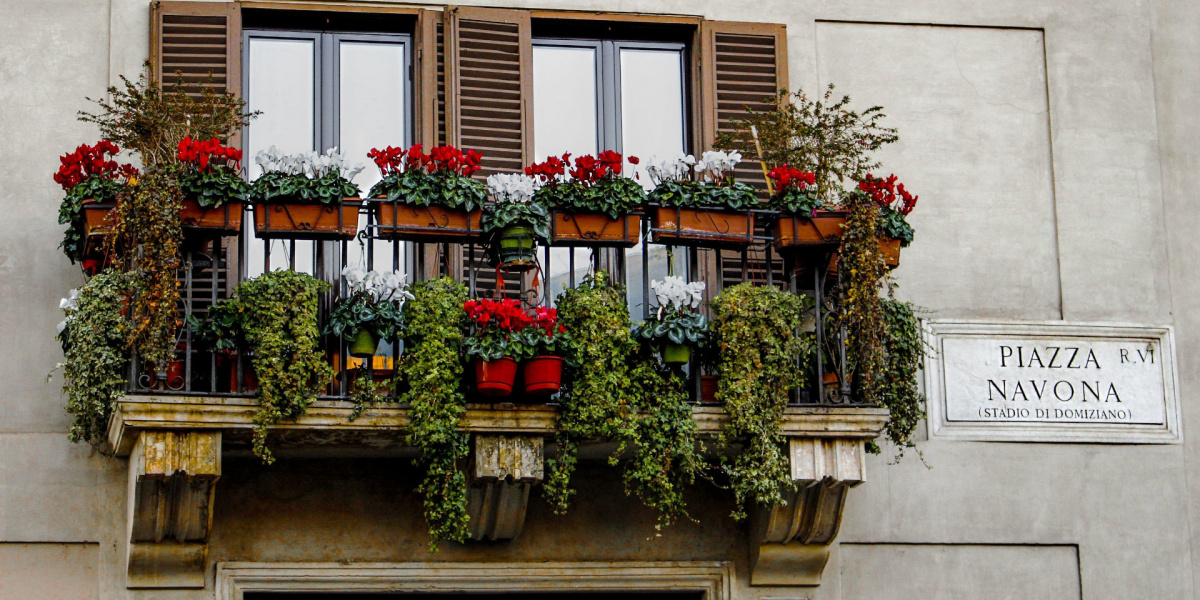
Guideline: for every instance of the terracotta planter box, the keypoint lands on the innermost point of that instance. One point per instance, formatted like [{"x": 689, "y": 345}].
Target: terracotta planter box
[
  {"x": 98, "y": 218},
  {"x": 224, "y": 220},
  {"x": 701, "y": 227},
  {"x": 890, "y": 249},
  {"x": 594, "y": 229},
  {"x": 823, "y": 229},
  {"x": 398, "y": 221},
  {"x": 307, "y": 221}
]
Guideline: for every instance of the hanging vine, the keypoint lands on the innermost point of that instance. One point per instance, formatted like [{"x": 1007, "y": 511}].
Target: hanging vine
[
  {"x": 278, "y": 315},
  {"x": 596, "y": 402},
  {"x": 760, "y": 355},
  {"x": 433, "y": 372},
  {"x": 95, "y": 337},
  {"x": 904, "y": 349}
]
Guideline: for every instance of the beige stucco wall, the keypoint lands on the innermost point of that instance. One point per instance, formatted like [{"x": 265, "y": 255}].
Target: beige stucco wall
[{"x": 1053, "y": 144}]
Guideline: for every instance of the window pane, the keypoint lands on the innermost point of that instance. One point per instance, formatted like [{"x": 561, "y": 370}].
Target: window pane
[
  {"x": 372, "y": 114},
  {"x": 652, "y": 105},
  {"x": 281, "y": 87},
  {"x": 564, "y": 120}
]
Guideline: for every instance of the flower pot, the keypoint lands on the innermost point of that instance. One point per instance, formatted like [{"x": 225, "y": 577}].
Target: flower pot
[
  {"x": 516, "y": 244},
  {"x": 98, "y": 218},
  {"x": 364, "y": 344},
  {"x": 594, "y": 229},
  {"x": 543, "y": 375},
  {"x": 702, "y": 227},
  {"x": 399, "y": 221},
  {"x": 676, "y": 354},
  {"x": 495, "y": 377},
  {"x": 223, "y": 220},
  {"x": 890, "y": 249},
  {"x": 306, "y": 220},
  {"x": 823, "y": 229},
  {"x": 708, "y": 389}
]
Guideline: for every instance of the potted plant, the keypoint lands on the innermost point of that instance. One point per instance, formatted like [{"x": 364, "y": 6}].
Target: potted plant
[
  {"x": 595, "y": 205},
  {"x": 428, "y": 197},
  {"x": 210, "y": 179},
  {"x": 540, "y": 347},
  {"x": 372, "y": 309},
  {"x": 305, "y": 196},
  {"x": 514, "y": 221},
  {"x": 221, "y": 333},
  {"x": 713, "y": 210},
  {"x": 676, "y": 327},
  {"x": 492, "y": 342},
  {"x": 92, "y": 180},
  {"x": 804, "y": 219},
  {"x": 895, "y": 203}
]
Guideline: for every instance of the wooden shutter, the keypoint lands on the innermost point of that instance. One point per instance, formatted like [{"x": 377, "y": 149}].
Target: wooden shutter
[
  {"x": 189, "y": 41},
  {"x": 489, "y": 87},
  {"x": 742, "y": 65},
  {"x": 488, "y": 56}
]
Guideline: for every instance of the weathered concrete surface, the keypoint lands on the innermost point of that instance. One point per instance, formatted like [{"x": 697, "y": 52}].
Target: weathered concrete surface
[
  {"x": 49, "y": 571},
  {"x": 1121, "y": 85}
]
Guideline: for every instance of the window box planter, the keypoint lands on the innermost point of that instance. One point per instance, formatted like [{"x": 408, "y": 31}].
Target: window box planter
[
  {"x": 495, "y": 377},
  {"x": 890, "y": 249},
  {"x": 307, "y": 221},
  {"x": 702, "y": 227},
  {"x": 98, "y": 217},
  {"x": 543, "y": 375},
  {"x": 399, "y": 221},
  {"x": 594, "y": 229},
  {"x": 223, "y": 220},
  {"x": 823, "y": 229}
]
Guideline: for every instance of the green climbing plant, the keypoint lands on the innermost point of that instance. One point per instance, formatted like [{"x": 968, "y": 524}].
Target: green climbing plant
[
  {"x": 432, "y": 369},
  {"x": 596, "y": 399},
  {"x": 760, "y": 351},
  {"x": 904, "y": 349},
  {"x": 95, "y": 336},
  {"x": 278, "y": 315}
]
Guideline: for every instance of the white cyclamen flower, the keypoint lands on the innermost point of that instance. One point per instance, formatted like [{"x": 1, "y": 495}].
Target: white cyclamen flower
[
  {"x": 675, "y": 294},
  {"x": 512, "y": 187},
  {"x": 71, "y": 302},
  {"x": 675, "y": 168},
  {"x": 717, "y": 165}
]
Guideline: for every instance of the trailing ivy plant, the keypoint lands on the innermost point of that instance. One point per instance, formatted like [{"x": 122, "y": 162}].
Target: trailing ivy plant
[
  {"x": 96, "y": 356},
  {"x": 146, "y": 235},
  {"x": 904, "y": 349},
  {"x": 665, "y": 451},
  {"x": 432, "y": 370},
  {"x": 279, "y": 321},
  {"x": 760, "y": 356},
  {"x": 152, "y": 121},
  {"x": 596, "y": 399},
  {"x": 863, "y": 270}
]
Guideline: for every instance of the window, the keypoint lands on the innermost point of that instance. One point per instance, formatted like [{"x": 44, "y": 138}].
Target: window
[
  {"x": 628, "y": 96},
  {"x": 321, "y": 90}
]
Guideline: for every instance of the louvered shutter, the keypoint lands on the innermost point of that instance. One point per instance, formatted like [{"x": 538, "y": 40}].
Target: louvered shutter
[
  {"x": 189, "y": 41},
  {"x": 489, "y": 106},
  {"x": 489, "y": 87},
  {"x": 198, "y": 45},
  {"x": 742, "y": 65}
]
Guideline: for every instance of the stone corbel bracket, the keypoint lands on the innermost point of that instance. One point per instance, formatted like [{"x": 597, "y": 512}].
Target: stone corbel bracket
[
  {"x": 790, "y": 544},
  {"x": 503, "y": 469},
  {"x": 172, "y": 478}
]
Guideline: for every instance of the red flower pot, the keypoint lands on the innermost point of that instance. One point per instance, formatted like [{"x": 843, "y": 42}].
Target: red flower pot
[
  {"x": 495, "y": 377},
  {"x": 543, "y": 375}
]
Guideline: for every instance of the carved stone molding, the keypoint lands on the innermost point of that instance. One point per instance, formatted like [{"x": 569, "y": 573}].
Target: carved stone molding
[
  {"x": 172, "y": 477},
  {"x": 503, "y": 469},
  {"x": 791, "y": 542}
]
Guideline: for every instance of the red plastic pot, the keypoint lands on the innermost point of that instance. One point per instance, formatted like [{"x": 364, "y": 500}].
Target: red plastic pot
[
  {"x": 495, "y": 377},
  {"x": 543, "y": 375}
]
